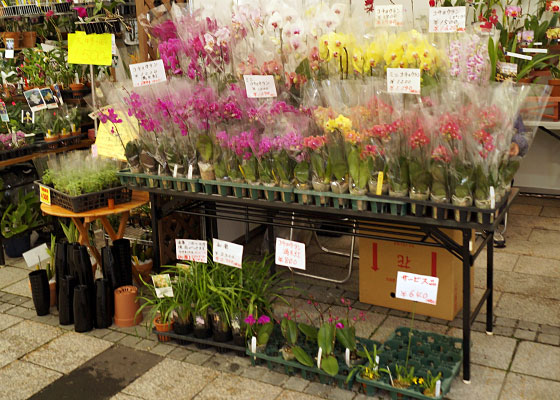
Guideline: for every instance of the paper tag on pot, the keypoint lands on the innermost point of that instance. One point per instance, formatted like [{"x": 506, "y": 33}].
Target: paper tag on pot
[
  {"x": 36, "y": 255},
  {"x": 347, "y": 357},
  {"x": 376, "y": 363},
  {"x": 253, "y": 345},
  {"x": 438, "y": 388},
  {"x": 534, "y": 50},
  {"x": 260, "y": 86},
  {"x": 200, "y": 321},
  {"x": 517, "y": 55},
  {"x": 147, "y": 73},
  {"x": 162, "y": 284},
  {"x": 379, "y": 189},
  {"x": 403, "y": 80},
  {"x": 389, "y": 15},
  {"x": 175, "y": 169},
  {"x": 190, "y": 172},
  {"x": 413, "y": 287},
  {"x": 447, "y": 19},
  {"x": 492, "y": 197},
  {"x": 390, "y": 375},
  {"x": 227, "y": 253},
  {"x": 319, "y": 355},
  {"x": 191, "y": 250},
  {"x": 290, "y": 254}
]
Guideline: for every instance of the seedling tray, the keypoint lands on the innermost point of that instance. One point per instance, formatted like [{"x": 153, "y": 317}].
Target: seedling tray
[
  {"x": 428, "y": 352},
  {"x": 128, "y": 178},
  {"x": 89, "y": 201},
  {"x": 15, "y": 153}
]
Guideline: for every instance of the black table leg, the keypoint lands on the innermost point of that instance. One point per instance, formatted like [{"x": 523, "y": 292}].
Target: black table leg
[
  {"x": 270, "y": 237},
  {"x": 466, "y": 306},
  {"x": 490, "y": 282},
  {"x": 154, "y": 202}
]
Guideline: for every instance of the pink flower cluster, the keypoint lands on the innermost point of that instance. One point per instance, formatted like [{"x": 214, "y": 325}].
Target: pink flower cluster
[
  {"x": 418, "y": 139},
  {"x": 441, "y": 154},
  {"x": 486, "y": 140},
  {"x": 314, "y": 143},
  {"x": 449, "y": 128}
]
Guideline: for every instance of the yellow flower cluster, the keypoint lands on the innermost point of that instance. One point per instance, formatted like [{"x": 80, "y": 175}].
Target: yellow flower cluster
[
  {"x": 340, "y": 123},
  {"x": 370, "y": 374},
  {"x": 418, "y": 381},
  {"x": 403, "y": 50},
  {"x": 553, "y": 33},
  {"x": 412, "y": 50}
]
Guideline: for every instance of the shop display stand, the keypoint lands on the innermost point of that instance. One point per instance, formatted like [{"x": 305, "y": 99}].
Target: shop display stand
[{"x": 411, "y": 229}]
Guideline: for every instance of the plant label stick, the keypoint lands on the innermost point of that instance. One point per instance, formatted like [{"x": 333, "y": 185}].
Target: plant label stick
[
  {"x": 319, "y": 355},
  {"x": 376, "y": 363},
  {"x": 379, "y": 189},
  {"x": 390, "y": 376},
  {"x": 347, "y": 357},
  {"x": 438, "y": 388}
]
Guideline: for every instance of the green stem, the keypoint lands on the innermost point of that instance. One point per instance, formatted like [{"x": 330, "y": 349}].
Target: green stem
[{"x": 410, "y": 334}]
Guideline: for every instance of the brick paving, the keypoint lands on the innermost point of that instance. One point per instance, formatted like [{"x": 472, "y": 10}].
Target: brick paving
[{"x": 521, "y": 360}]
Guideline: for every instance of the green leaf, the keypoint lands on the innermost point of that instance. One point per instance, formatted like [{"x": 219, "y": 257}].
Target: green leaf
[
  {"x": 289, "y": 331},
  {"x": 347, "y": 337},
  {"x": 329, "y": 364},
  {"x": 325, "y": 338},
  {"x": 204, "y": 147},
  {"x": 304, "y": 69},
  {"x": 301, "y": 172},
  {"x": 493, "y": 61},
  {"x": 302, "y": 356},
  {"x": 264, "y": 333},
  {"x": 309, "y": 331}
]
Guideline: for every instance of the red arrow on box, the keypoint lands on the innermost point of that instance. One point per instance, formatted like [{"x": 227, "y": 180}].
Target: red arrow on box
[{"x": 374, "y": 264}]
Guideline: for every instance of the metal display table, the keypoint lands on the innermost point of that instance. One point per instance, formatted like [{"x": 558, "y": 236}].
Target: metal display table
[{"x": 367, "y": 224}]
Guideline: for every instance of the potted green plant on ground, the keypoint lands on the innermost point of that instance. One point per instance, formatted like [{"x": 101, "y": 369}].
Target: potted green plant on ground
[
  {"x": 183, "y": 295},
  {"x": 429, "y": 384},
  {"x": 17, "y": 223},
  {"x": 142, "y": 262},
  {"x": 159, "y": 309},
  {"x": 370, "y": 370},
  {"x": 50, "y": 268},
  {"x": 202, "y": 297}
]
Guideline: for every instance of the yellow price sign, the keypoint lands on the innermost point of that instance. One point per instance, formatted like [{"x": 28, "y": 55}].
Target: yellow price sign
[
  {"x": 108, "y": 143},
  {"x": 89, "y": 49},
  {"x": 379, "y": 188},
  {"x": 45, "y": 194}
]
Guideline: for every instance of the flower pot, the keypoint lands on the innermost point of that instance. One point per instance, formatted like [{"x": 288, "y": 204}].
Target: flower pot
[
  {"x": 126, "y": 306},
  {"x": 555, "y": 83},
  {"x": 142, "y": 269},
  {"x": 83, "y": 318},
  {"x": 29, "y": 39},
  {"x": 66, "y": 300},
  {"x": 103, "y": 304},
  {"x": 77, "y": 87},
  {"x": 40, "y": 291},
  {"x": 417, "y": 195},
  {"x": 11, "y": 35},
  {"x": 202, "y": 329},
  {"x": 183, "y": 327},
  {"x": 221, "y": 332},
  {"x": 287, "y": 353},
  {"x": 339, "y": 187},
  {"x": 163, "y": 327},
  {"x": 206, "y": 171},
  {"x": 17, "y": 245},
  {"x": 52, "y": 293}
]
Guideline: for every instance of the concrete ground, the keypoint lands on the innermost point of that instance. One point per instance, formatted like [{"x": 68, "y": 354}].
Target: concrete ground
[{"x": 42, "y": 360}]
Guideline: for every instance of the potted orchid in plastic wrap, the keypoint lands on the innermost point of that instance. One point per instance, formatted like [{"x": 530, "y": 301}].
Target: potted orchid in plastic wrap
[
  {"x": 419, "y": 165},
  {"x": 284, "y": 163},
  {"x": 265, "y": 160},
  {"x": 337, "y": 129},
  {"x": 358, "y": 166},
  {"x": 396, "y": 153}
]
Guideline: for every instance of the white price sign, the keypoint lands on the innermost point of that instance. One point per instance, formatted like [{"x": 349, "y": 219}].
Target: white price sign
[
  {"x": 391, "y": 15},
  {"x": 403, "y": 80},
  {"x": 447, "y": 19},
  {"x": 191, "y": 250},
  {"x": 260, "y": 86},
  {"x": 147, "y": 73},
  {"x": 36, "y": 255},
  {"x": 290, "y": 254},
  {"x": 227, "y": 253},
  {"x": 415, "y": 287}
]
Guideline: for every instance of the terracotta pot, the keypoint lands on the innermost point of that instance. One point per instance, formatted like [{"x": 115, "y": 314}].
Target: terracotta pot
[
  {"x": 52, "y": 288},
  {"x": 29, "y": 39},
  {"x": 11, "y": 35},
  {"x": 76, "y": 87},
  {"x": 526, "y": 80},
  {"x": 126, "y": 306},
  {"x": 142, "y": 269},
  {"x": 555, "y": 83},
  {"x": 163, "y": 328},
  {"x": 52, "y": 138}
]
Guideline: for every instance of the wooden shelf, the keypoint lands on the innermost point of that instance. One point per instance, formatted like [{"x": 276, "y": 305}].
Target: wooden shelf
[{"x": 13, "y": 161}]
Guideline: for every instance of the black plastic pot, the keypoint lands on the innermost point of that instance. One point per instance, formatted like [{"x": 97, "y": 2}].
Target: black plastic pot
[
  {"x": 123, "y": 261},
  {"x": 182, "y": 329},
  {"x": 40, "y": 291},
  {"x": 221, "y": 332},
  {"x": 109, "y": 268},
  {"x": 104, "y": 304},
  {"x": 61, "y": 268},
  {"x": 66, "y": 300},
  {"x": 17, "y": 245},
  {"x": 83, "y": 319}
]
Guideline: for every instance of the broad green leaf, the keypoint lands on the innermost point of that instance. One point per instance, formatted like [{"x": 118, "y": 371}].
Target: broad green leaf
[
  {"x": 325, "y": 338},
  {"x": 329, "y": 364},
  {"x": 302, "y": 356},
  {"x": 309, "y": 331}
]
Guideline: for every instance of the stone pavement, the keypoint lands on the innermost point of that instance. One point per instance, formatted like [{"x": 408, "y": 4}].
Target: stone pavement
[{"x": 39, "y": 358}]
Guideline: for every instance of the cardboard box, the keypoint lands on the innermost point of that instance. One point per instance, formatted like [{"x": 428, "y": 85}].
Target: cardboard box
[{"x": 380, "y": 261}]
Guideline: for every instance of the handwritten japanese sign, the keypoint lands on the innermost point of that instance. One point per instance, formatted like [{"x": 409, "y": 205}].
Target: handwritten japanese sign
[
  {"x": 45, "y": 194},
  {"x": 447, "y": 19},
  {"x": 89, "y": 49},
  {"x": 403, "y": 80},
  {"x": 260, "y": 86},
  {"x": 290, "y": 254},
  {"x": 391, "y": 15},
  {"x": 227, "y": 253},
  {"x": 415, "y": 287},
  {"x": 147, "y": 73},
  {"x": 191, "y": 250}
]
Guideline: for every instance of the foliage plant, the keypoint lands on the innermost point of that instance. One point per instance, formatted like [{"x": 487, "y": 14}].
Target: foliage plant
[
  {"x": 429, "y": 384},
  {"x": 370, "y": 370},
  {"x": 20, "y": 218}
]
